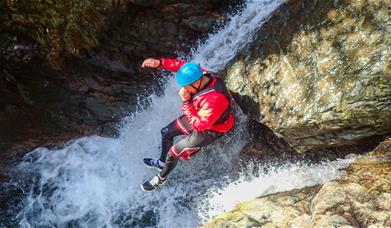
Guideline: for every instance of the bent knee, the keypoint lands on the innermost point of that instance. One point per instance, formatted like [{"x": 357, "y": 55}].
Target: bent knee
[
  {"x": 170, "y": 158},
  {"x": 165, "y": 132}
]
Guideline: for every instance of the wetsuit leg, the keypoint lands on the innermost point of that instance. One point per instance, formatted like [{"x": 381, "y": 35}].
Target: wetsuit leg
[
  {"x": 187, "y": 147},
  {"x": 178, "y": 127},
  {"x": 171, "y": 163},
  {"x": 168, "y": 133}
]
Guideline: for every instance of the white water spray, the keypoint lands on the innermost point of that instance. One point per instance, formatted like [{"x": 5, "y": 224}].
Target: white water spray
[
  {"x": 276, "y": 179},
  {"x": 94, "y": 181}
]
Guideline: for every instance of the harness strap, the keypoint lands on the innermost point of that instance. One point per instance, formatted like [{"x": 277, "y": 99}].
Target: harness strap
[
  {"x": 218, "y": 86},
  {"x": 221, "y": 88}
]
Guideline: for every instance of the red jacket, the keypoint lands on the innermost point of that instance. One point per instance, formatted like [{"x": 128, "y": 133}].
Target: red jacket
[{"x": 206, "y": 107}]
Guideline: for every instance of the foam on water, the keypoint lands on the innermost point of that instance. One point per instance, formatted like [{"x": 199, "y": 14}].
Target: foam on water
[{"x": 95, "y": 181}]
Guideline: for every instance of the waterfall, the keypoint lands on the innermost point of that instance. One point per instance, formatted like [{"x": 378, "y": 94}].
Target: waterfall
[{"x": 95, "y": 181}]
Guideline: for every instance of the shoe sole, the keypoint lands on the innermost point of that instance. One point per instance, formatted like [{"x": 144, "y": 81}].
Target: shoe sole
[
  {"x": 152, "y": 167},
  {"x": 141, "y": 186}
]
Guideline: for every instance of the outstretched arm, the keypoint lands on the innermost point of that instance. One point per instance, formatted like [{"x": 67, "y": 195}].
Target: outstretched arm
[
  {"x": 164, "y": 63},
  {"x": 172, "y": 64}
]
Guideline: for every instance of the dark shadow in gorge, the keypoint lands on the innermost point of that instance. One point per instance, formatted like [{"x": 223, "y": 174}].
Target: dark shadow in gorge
[{"x": 268, "y": 149}]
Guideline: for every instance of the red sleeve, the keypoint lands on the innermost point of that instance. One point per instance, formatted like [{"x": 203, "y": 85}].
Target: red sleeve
[
  {"x": 212, "y": 107},
  {"x": 173, "y": 64}
]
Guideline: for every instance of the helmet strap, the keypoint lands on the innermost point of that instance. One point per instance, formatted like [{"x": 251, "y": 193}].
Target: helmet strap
[{"x": 198, "y": 87}]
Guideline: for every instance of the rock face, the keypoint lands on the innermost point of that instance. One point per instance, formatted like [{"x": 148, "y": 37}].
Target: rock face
[
  {"x": 361, "y": 199},
  {"x": 319, "y": 73},
  {"x": 133, "y": 28}
]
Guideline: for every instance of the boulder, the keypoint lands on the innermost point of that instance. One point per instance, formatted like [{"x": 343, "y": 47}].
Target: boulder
[
  {"x": 318, "y": 74},
  {"x": 360, "y": 199}
]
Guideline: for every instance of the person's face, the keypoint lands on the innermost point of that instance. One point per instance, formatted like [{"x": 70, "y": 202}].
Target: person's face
[{"x": 191, "y": 89}]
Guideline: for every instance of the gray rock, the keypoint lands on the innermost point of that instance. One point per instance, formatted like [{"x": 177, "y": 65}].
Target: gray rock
[
  {"x": 319, "y": 74},
  {"x": 360, "y": 199}
]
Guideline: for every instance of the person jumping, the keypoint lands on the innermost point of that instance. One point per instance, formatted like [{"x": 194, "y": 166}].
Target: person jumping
[{"x": 206, "y": 116}]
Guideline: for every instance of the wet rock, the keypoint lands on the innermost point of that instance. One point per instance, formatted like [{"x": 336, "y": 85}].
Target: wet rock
[
  {"x": 318, "y": 73},
  {"x": 150, "y": 3},
  {"x": 199, "y": 23},
  {"x": 360, "y": 199},
  {"x": 71, "y": 28},
  {"x": 60, "y": 28}
]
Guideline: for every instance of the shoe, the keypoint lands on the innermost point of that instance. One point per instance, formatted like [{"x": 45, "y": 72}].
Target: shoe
[
  {"x": 152, "y": 163},
  {"x": 151, "y": 185}
]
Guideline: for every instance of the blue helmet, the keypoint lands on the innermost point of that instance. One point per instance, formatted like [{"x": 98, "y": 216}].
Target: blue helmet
[{"x": 188, "y": 73}]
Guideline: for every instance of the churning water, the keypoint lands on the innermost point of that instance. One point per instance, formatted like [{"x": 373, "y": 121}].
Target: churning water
[{"x": 95, "y": 181}]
